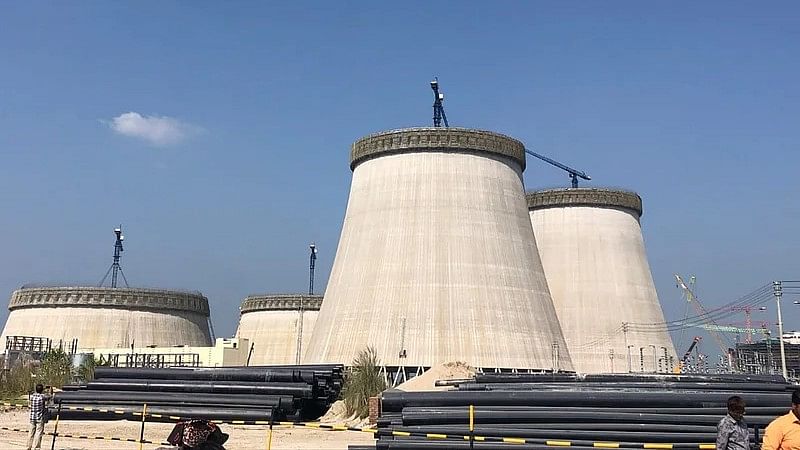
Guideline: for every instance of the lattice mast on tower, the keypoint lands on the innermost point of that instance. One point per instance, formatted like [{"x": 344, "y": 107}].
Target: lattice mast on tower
[
  {"x": 438, "y": 108},
  {"x": 312, "y": 262},
  {"x": 439, "y": 116},
  {"x": 116, "y": 268}
]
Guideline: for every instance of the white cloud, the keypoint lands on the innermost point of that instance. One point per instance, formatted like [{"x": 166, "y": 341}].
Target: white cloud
[{"x": 160, "y": 131}]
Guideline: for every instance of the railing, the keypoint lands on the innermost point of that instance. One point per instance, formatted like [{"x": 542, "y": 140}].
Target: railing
[{"x": 152, "y": 360}]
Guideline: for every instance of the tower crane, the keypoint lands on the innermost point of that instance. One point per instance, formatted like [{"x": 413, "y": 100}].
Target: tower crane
[
  {"x": 712, "y": 327},
  {"x": 116, "y": 268},
  {"x": 439, "y": 116},
  {"x": 574, "y": 174},
  {"x": 438, "y": 109},
  {"x": 748, "y": 319},
  {"x": 685, "y": 359}
]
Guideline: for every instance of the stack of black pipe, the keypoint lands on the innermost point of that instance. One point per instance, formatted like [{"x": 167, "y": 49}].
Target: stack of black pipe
[
  {"x": 226, "y": 393},
  {"x": 628, "y": 409}
]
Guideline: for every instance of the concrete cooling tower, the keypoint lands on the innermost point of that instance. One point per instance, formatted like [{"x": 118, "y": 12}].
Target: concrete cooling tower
[
  {"x": 437, "y": 261},
  {"x": 109, "y": 317},
  {"x": 272, "y": 324},
  {"x": 591, "y": 246}
]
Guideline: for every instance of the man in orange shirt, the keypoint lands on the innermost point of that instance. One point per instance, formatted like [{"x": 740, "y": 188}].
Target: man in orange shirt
[{"x": 783, "y": 433}]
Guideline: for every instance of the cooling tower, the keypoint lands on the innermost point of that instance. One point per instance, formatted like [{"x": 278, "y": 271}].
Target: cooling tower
[
  {"x": 272, "y": 324},
  {"x": 591, "y": 246},
  {"x": 109, "y": 317},
  {"x": 437, "y": 261}
]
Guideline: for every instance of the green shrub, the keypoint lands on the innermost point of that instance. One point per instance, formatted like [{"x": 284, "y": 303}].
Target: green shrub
[
  {"x": 56, "y": 369},
  {"x": 17, "y": 381},
  {"x": 85, "y": 372},
  {"x": 362, "y": 381}
]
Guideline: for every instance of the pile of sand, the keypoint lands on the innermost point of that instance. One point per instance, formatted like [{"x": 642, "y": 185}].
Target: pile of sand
[
  {"x": 448, "y": 371},
  {"x": 337, "y": 414}
]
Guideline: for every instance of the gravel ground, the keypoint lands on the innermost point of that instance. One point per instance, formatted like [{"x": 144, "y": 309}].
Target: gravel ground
[{"x": 241, "y": 437}]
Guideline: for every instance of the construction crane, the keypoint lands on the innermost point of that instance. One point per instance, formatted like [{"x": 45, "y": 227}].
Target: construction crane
[
  {"x": 574, "y": 174},
  {"x": 685, "y": 359},
  {"x": 439, "y": 116},
  {"x": 438, "y": 109},
  {"x": 116, "y": 268},
  {"x": 748, "y": 319},
  {"x": 695, "y": 341},
  {"x": 712, "y": 327}
]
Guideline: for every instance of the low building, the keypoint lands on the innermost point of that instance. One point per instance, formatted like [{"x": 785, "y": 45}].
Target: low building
[{"x": 225, "y": 352}]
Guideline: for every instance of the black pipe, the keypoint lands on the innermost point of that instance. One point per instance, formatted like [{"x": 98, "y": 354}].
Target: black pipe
[
  {"x": 219, "y": 413},
  {"x": 253, "y": 374},
  {"x": 394, "y": 400},
  {"x": 545, "y": 377},
  {"x": 566, "y": 434},
  {"x": 581, "y": 425},
  {"x": 286, "y": 408},
  {"x": 719, "y": 411},
  {"x": 299, "y": 390},
  {"x": 605, "y": 386},
  {"x": 595, "y": 416},
  {"x": 97, "y": 396},
  {"x": 453, "y": 444}
]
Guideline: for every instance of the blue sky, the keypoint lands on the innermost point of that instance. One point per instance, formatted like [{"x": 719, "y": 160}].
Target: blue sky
[{"x": 695, "y": 105}]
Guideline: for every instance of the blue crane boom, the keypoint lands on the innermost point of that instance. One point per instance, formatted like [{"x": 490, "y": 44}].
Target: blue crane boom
[
  {"x": 439, "y": 116},
  {"x": 574, "y": 174}
]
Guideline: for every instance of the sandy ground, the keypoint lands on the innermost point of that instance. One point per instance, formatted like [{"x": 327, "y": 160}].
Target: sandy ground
[{"x": 241, "y": 437}]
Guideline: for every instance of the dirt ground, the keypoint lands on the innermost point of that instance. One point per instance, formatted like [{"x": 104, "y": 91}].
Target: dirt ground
[{"x": 241, "y": 437}]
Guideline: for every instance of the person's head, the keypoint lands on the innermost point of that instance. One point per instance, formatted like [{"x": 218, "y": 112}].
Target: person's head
[
  {"x": 736, "y": 407},
  {"x": 796, "y": 403},
  {"x": 39, "y": 388}
]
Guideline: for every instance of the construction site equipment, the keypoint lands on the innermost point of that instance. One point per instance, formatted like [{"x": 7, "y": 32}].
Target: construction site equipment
[
  {"x": 438, "y": 108},
  {"x": 116, "y": 268},
  {"x": 210, "y": 393},
  {"x": 721, "y": 341},
  {"x": 538, "y": 410},
  {"x": 574, "y": 174},
  {"x": 439, "y": 116}
]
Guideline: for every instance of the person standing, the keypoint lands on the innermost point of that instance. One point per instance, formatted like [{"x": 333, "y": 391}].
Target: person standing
[
  {"x": 732, "y": 431},
  {"x": 783, "y": 433},
  {"x": 37, "y": 405}
]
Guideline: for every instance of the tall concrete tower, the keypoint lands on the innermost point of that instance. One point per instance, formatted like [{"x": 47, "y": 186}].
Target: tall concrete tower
[
  {"x": 592, "y": 250},
  {"x": 272, "y": 324},
  {"x": 437, "y": 261}
]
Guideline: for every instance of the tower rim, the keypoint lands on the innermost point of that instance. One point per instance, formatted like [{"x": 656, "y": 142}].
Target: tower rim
[
  {"x": 433, "y": 139},
  {"x": 280, "y": 302},
  {"x": 98, "y": 297},
  {"x": 598, "y": 197}
]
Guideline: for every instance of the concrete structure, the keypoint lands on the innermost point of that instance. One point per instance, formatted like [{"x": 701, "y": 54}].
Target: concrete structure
[
  {"x": 592, "y": 250},
  {"x": 225, "y": 352},
  {"x": 437, "y": 260},
  {"x": 272, "y": 324},
  {"x": 109, "y": 317}
]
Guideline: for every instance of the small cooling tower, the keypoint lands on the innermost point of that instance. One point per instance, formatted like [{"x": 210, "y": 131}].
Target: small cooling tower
[
  {"x": 272, "y": 324},
  {"x": 437, "y": 261},
  {"x": 591, "y": 246},
  {"x": 100, "y": 317}
]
